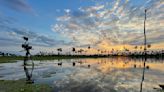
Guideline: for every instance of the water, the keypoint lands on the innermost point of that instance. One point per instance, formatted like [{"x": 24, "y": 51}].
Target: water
[{"x": 91, "y": 75}]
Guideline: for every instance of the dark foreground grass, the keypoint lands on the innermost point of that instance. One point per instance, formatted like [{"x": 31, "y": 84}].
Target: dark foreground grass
[{"x": 21, "y": 86}]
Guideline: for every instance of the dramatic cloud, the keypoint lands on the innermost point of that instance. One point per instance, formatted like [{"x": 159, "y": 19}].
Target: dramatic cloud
[
  {"x": 116, "y": 22},
  {"x": 102, "y": 24},
  {"x": 9, "y": 34}
]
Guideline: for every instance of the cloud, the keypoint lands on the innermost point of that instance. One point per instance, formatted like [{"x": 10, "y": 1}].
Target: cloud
[
  {"x": 67, "y": 10},
  {"x": 119, "y": 23},
  {"x": 92, "y": 8},
  {"x": 10, "y": 34},
  {"x": 18, "y": 5},
  {"x": 36, "y": 39}
]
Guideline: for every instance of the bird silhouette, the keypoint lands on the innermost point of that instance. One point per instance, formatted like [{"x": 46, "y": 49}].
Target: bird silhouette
[{"x": 25, "y": 38}]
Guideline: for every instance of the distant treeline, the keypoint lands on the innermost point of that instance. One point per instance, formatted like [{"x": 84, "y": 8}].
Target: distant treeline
[
  {"x": 44, "y": 56},
  {"x": 152, "y": 54},
  {"x": 7, "y": 54}
]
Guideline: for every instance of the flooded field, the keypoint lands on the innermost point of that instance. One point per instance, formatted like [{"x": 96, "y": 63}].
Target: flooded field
[{"x": 90, "y": 75}]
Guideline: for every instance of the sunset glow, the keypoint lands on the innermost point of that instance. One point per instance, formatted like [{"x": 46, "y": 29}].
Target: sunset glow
[{"x": 101, "y": 24}]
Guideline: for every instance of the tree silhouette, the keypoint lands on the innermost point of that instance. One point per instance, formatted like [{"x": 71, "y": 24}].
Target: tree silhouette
[
  {"x": 59, "y": 50},
  {"x": 135, "y": 47},
  {"x": 3, "y": 54},
  {"x": 89, "y": 47},
  {"x": 73, "y": 50},
  {"x": 149, "y": 46}
]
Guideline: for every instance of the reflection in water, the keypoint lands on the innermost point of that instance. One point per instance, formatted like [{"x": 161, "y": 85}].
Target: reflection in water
[
  {"x": 113, "y": 74},
  {"x": 143, "y": 73},
  {"x": 90, "y": 75},
  {"x": 28, "y": 71}
]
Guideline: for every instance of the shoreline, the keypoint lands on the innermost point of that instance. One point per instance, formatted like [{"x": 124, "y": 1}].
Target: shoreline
[{"x": 9, "y": 59}]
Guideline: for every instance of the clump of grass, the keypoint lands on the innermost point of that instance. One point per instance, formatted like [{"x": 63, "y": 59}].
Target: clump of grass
[
  {"x": 10, "y": 59},
  {"x": 21, "y": 86}
]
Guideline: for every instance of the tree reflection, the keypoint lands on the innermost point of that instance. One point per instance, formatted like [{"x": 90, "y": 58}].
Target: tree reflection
[{"x": 28, "y": 71}]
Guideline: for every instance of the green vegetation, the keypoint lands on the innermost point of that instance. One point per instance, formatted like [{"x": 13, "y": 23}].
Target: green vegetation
[
  {"x": 21, "y": 86},
  {"x": 9, "y": 59}
]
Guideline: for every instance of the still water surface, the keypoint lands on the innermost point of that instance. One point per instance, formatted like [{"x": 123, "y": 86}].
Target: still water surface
[{"x": 91, "y": 75}]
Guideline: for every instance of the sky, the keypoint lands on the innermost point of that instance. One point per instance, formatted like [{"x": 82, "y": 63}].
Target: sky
[{"x": 101, "y": 24}]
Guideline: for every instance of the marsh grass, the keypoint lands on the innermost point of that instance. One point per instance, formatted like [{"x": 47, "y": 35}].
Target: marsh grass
[
  {"x": 21, "y": 86},
  {"x": 10, "y": 59}
]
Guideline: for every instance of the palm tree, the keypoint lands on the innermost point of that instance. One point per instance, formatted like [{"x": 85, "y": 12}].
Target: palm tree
[
  {"x": 80, "y": 51},
  {"x": 59, "y": 50},
  {"x": 149, "y": 46},
  {"x": 112, "y": 51},
  {"x": 98, "y": 51},
  {"x": 102, "y": 52},
  {"x": 3, "y": 54},
  {"x": 126, "y": 49},
  {"x": 73, "y": 50},
  {"x": 135, "y": 47},
  {"x": 89, "y": 47}
]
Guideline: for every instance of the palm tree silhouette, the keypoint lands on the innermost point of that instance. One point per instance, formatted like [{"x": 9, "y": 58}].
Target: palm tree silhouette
[
  {"x": 135, "y": 47},
  {"x": 98, "y": 51},
  {"x": 59, "y": 50},
  {"x": 73, "y": 50},
  {"x": 89, "y": 47},
  {"x": 149, "y": 46}
]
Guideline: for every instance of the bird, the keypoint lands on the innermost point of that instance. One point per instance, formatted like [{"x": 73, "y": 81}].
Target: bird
[{"x": 25, "y": 38}]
